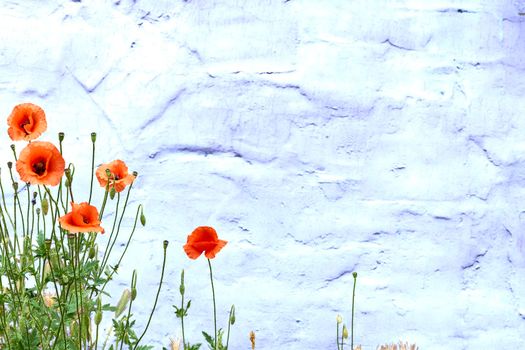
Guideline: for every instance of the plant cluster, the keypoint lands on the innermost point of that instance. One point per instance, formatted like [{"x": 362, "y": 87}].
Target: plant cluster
[{"x": 53, "y": 276}]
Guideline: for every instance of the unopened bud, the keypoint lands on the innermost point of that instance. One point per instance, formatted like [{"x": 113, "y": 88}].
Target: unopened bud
[
  {"x": 345, "y": 332},
  {"x": 92, "y": 252},
  {"x": 232, "y": 315},
  {"x": 93, "y": 137},
  {"x": 182, "y": 288},
  {"x": 47, "y": 269},
  {"x": 354, "y": 274},
  {"x": 47, "y": 244},
  {"x": 61, "y": 136},
  {"x": 73, "y": 327},
  {"x": 133, "y": 293},
  {"x": 123, "y": 302},
  {"x": 112, "y": 193},
  {"x": 98, "y": 317},
  {"x": 45, "y": 206},
  {"x": 339, "y": 319},
  {"x": 142, "y": 218},
  {"x": 53, "y": 258}
]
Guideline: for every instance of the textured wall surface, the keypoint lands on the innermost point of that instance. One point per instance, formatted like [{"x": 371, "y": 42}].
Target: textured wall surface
[{"x": 319, "y": 138}]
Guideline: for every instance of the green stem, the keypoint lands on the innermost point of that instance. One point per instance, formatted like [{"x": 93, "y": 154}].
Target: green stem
[
  {"x": 74, "y": 259},
  {"x": 229, "y": 324},
  {"x": 214, "y": 305},
  {"x": 156, "y": 297},
  {"x": 353, "y": 304},
  {"x": 182, "y": 323},
  {"x": 337, "y": 338},
  {"x": 92, "y": 171},
  {"x": 123, "y": 253}
]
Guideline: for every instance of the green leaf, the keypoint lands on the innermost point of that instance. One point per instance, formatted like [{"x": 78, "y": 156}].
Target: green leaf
[{"x": 209, "y": 339}]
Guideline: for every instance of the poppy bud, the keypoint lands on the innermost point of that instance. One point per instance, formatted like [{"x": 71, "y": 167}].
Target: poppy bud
[
  {"x": 93, "y": 137},
  {"x": 47, "y": 244},
  {"x": 142, "y": 218},
  {"x": 92, "y": 252},
  {"x": 98, "y": 317},
  {"x": 339, "y": 319},
  {"x": 47, "y": 269},
  {"x": 232, "y": 315},
  {"x": 182, "y": 288},
  {"x": 9, "y": 165},
  {"x": 67, "y": 183},
  {"x": 98, "y": 314},
  {"x": 112, "y": 193},
  {"x": 45, "y": 206},
  {"x": 354, "y": 274},
  {"x": 61, "y": 136},
  {"x": 134, "y": 285},
  {"x": 165, "y": 243},
  {"x": 123, "y": 302},
  {"x": 345, "y": 332},
  {"x": 15, "y": 186},
  {"x": 73, "y": 328}
]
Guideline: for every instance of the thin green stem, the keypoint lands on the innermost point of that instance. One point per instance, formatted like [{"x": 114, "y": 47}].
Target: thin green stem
[
  {"x": 106, "y": 251},
  {"x": 337, "y": 338},
  {"x": 156, "y": 297},
  {"x": 123, "y": 253},
  {"x": 353, "y": 304},
  {"x": 232, "y": 310},
  {"x": 214, "y": 305},
  {"x": 73, "y": 251},
  {"x": 92, "y": 171}
]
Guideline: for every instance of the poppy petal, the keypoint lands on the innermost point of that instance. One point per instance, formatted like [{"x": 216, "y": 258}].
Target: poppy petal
[
  {"x": 191, "y": 251},
  {"x": 210, "y": 254}
]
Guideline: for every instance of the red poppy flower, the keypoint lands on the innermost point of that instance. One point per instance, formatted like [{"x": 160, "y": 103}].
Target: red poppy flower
[
  {"x": 203, "y": 239},
  {"x": 119, "y": 177},
  {"x": 26, "y": 122},
  {"x": 83, "y": 217},
  {"x": 40, "y": 163}
]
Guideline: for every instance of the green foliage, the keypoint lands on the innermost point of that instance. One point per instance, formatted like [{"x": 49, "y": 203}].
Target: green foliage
[
  {"x": 211, "y": 343},
  {"x": 52, "y": 282}
]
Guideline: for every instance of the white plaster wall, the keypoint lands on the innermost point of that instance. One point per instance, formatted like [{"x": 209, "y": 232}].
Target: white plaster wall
[{"x": 319, "y": 138}]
